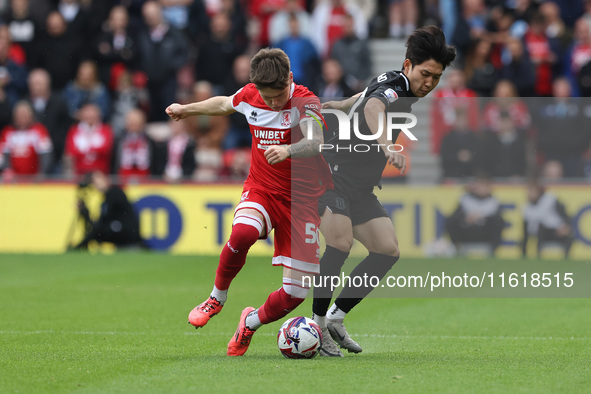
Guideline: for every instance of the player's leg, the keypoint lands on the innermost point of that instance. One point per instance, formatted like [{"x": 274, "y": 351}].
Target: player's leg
[
  {"x": 337, "y": 229},
  {"x": 296, "y": 250},
  {"x": 379, "y": 237},
  {"x": 278, "y": 304},
  {"x": 338, "y": 235},
  {"x": 248, "y": 226}
]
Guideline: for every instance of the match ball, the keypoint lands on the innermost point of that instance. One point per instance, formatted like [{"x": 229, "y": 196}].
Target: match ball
[{"x": 299, "y": 337}]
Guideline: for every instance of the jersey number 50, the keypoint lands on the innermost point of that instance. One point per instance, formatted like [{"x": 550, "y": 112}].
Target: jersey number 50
[{"x": 312, "y": 235}]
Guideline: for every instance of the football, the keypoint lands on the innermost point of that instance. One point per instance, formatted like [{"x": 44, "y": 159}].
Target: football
[{"x": 299, "y": 337}]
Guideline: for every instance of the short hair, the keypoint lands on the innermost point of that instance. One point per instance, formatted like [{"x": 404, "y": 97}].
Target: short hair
[
  {"x": 429, "y": 43},
  {"x": 269, "y": 68},
  {"x": 24, "y": 104}
]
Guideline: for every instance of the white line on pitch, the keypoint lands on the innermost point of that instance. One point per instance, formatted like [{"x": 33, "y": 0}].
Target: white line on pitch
[
  {"x": 391, "y": 336},
  {"x": 465, "y": 337}
]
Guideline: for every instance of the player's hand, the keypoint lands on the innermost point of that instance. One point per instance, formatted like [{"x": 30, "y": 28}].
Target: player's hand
[
  {"x": 473, "y": 218},
  {"x": 276, "y": 154},
  {"x": 397, "y": 160},
  {"x": 332, "y": 105},
  {"x": 563, "y": 231},
  {"x": 175, "y": 111}
]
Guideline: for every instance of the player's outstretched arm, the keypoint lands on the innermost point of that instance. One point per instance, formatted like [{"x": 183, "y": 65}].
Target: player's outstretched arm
[
  {"x": 343, "y": 105},
  {"x": 306, "y": 147},
  {"x": 218, "y": 105}
]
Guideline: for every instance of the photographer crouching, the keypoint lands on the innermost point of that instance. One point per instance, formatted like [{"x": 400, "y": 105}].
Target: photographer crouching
[{"x": 117, "y": 223}]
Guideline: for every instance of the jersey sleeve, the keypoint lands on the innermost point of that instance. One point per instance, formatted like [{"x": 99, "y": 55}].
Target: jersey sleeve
[
  {"x": 385, "y": 94},
  {"x": 238, "y": 99},
  {"x": 308, "y": 106},
  {"x": 383, "y": 87},
  {"x": 388, "y": 88}
]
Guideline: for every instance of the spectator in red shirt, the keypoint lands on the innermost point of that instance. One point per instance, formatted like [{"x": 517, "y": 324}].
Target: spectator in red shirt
[
  {"x": 88, "y": 144},
  {"x": 328, "y": 21},
  {"x": 447, "y": 101},
  {"x": 134, "y": 150},
  {"x": 505, "y": 100},
  {"x": 542, "y": 54},
  {"x": 26, "y": 144},
  {"x": 16, "y": 53},
  {"x": 262, "y": 11}
]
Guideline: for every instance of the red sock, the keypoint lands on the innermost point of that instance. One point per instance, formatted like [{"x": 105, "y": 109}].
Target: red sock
[
  {"x": 278, "y": 305},
  {"x": 234, "y": 253}
]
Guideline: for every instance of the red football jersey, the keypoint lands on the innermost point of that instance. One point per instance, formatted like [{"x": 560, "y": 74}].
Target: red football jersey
[
  {"x": 301, "y": 178},
  {"x": 90, "y": 147},
  {"x": 518, "y": 111},
  {"x": 443, "y": 113},
  {"x": 134, "y": 156},
  {"x": 540, "y": 52},
  {"x": 23, "y": 146}
]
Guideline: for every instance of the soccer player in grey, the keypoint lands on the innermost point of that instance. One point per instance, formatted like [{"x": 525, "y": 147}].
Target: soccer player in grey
[{"x": 351, "y": 210}]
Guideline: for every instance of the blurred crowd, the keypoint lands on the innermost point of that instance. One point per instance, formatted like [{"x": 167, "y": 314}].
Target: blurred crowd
[
  {"x": 478, "y": 223},
  {"x": 84, "y": 83},
  {"x": 515, "y": 105}
]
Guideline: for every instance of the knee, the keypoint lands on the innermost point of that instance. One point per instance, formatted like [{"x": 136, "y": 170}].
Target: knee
[
  {"x": 344, "y": 244},
  {"x": 244, "y": 236},
  {"x": 387, "y": 249},
  {"x": 296, "y": 289}
]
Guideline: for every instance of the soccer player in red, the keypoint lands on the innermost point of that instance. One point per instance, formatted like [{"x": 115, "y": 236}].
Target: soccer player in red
[{"x": 287, "y": 175}]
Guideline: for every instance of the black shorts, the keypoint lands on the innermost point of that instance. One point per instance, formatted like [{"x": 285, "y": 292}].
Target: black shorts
[{"x": 359, "y": 205}]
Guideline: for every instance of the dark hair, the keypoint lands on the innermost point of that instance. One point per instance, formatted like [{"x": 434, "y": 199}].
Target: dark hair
[
  {"x": 429, "y": 43},
  {"x": 269, "y": 68},
  {"x": 538, "y": 18},
  {"x": 537, "y": 184}
]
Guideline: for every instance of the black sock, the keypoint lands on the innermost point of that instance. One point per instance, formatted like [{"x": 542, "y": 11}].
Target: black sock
[
  {"x": 375, "y": 264},
  {"x": 330, "y": 265}
]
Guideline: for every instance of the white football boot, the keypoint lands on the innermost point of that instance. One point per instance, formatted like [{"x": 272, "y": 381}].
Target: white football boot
[{"x": 339, "y": 333}]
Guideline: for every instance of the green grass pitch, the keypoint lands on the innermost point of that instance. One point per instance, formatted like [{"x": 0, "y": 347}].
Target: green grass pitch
[{"x": 118, "y": 324}]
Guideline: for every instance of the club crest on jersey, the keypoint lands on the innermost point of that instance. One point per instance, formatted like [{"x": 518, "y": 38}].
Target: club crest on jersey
[
  {"x": 286, "y": 119},
  {"x": 244, "y": 196}
]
